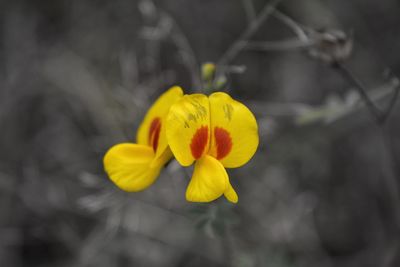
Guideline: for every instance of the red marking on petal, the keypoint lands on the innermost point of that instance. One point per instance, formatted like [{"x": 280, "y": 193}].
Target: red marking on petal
[
  {"x": 154, "y": 133},
  {"x": 199, "y": 142},
  {"x": 223, "y": 141}
]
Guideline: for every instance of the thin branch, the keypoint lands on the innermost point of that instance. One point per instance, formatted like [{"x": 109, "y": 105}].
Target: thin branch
[
  {"x": 241, "y": 42},
  {"x": 379, "y": 115},
  {"x": 189, "y": 58},
  {"x": 249, "y": 10},
  {"x": 291, "y": 44},
  {"x": 299, "y": 30},
  {"x": 348, "y": 75},
  {"x": 392, "y": 102},
  {"x": 302, "y": 40},
  {"x": 296, "y": 27}
]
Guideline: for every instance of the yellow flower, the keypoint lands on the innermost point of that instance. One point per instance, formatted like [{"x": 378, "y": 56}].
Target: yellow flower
[
  {"x": 216, "y": 132},
  {"x": 134, "y": 167}
]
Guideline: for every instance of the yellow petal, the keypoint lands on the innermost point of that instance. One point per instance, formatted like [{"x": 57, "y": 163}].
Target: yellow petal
[
  {"x": 209, "y": 180},
  {"x": 230, "y": 193},
  {"x": 152, "y": 130},
  {"x": 188, "y": 128},
  {"x": 131, "y": 166},
  {"x": 162, "y": 159},
  {"x": 234, "y": 131}
]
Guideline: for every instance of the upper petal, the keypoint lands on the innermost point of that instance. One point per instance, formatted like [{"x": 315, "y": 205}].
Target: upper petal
[
  {"x": 152, "y": 130},
  {"x": 131, "y": 166},
  {"x": 187, "y": 127},
  {"x": 234, "y": 131}
]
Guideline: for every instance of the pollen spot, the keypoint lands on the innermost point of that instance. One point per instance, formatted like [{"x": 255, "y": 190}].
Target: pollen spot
[
  {"x": 223, "y": 142},
  {"x": 154, "y": 133},
  {"x": 199, "y": 142}
]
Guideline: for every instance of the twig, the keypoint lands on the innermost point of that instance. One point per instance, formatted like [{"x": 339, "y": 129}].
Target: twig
[
  {"x": 290, "y": 44},
  {"x": 241, "y": 42},
  {"x": 379, "y": 115},
  {"x": 348, "y": 75},
  {"x": 168, "y": 28},
  {"x": 189, "y": 58},
  {"x": 249, "y": 10},
  {"x": 296, "y": 27},
  {"x": 304, "y": 40},
  {"x": 392, "y": 103}
]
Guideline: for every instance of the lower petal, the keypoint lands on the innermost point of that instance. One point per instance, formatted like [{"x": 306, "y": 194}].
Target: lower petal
[
  {"x": 131, "y": 166},
  {"x": 230, "y": 194},
  {"x": 209, "y": 182}
]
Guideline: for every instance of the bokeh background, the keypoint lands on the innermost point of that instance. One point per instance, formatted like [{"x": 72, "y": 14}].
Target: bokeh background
[{"x": 77, "y": 77}]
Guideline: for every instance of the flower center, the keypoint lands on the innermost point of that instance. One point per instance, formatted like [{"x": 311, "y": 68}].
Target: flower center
[
  {"x": 199, "y": 142},
  {"x": 154, "y": 133},
  {"x": 223, "y": 142}
]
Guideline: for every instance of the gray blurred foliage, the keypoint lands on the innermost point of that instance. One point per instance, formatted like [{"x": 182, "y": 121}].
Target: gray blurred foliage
[{"x": 77, "y": 77}]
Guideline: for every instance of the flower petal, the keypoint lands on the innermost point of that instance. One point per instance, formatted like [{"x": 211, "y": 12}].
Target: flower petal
[
  {"x": 152, "y": 130},
  {"x": 209, "y": 180},
  {"x": 234, "y": 131},
  {"x": 131, "y": 166},
  {"x": 188, "y": 128},
  {"x": 230, "y": 193}
]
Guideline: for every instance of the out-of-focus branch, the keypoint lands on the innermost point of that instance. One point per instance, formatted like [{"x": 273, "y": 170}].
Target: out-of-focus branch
[
  {"x": 249, "y": 10},
  {"x": 348, "y": 75},
  {"x": 332, "y": 47},
  {"x": 241, "y": 42},
  {"x": 290, "y": 44},
  {"x": 168, "y": 28},
  {"x": 379, "y": 115},
  {"x": 297, "y": 28},
  {"x": 392, "y": 103},
  {"x": 187, "y": 52},
  {"x": 302, "y": 40}
]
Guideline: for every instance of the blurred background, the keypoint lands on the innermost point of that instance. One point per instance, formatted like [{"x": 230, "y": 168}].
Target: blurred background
[{"x": 77, "y": 77}]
